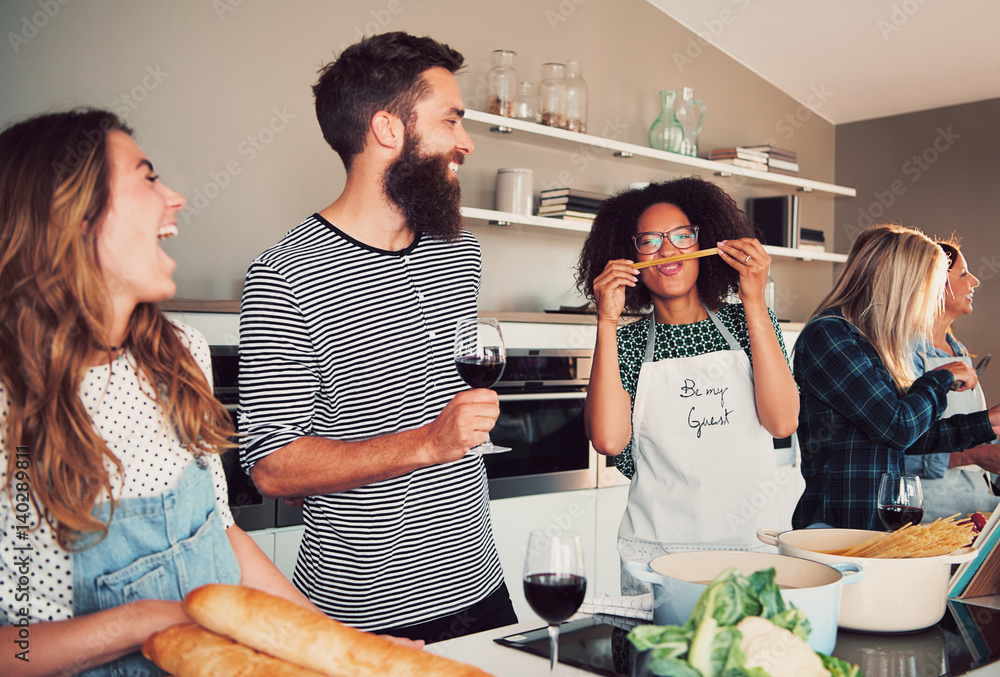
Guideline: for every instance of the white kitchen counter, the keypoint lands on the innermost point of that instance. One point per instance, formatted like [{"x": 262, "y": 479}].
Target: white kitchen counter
[
  {"x": 502, "y": 661},
  {"x": 920, "y": 654}
]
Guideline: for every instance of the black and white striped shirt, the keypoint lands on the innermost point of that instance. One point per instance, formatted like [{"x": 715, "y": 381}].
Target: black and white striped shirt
[{"x": 344, "y": 341}]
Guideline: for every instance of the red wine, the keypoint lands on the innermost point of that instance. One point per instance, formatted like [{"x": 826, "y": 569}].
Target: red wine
[
  {"x": 479, "y": 373},
  {"x": 895, "y": 516},
  {"x": 554, "y": 597}
]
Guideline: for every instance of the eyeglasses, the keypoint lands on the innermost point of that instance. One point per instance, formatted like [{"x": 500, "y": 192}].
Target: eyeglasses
[{"x": 684, "y": 237}]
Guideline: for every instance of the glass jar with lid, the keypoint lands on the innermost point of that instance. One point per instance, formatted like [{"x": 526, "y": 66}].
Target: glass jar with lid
[
  {"x": 552, "y": 95},
  {"x": 526, "y": 103},
  {"x": 503, "y": 83},
  {"x": 576, "y": 98}
]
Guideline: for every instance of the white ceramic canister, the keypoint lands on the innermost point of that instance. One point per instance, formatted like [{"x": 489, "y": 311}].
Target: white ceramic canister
[{"x": 515, "y": 190}]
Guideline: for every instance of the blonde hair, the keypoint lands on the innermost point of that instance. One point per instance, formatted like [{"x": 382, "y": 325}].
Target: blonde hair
[
  {"x": 54, "y": 193},
  {"x": 891, "y": 289}
]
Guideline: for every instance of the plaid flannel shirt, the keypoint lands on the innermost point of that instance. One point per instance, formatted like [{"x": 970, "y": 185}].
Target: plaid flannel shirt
[{"x": 854, "y": 425}]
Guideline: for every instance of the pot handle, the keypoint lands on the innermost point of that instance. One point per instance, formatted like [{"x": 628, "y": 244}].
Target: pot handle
[
  {"x": 961, "y": 555},
  {"x": 642, "y": 571},
  {"x": 769, "y": 536},
  {"x": 852, "y": 571}
]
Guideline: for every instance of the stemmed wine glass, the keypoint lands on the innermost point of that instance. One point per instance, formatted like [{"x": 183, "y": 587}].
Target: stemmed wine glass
[
  {"x": 554, "y": 580},
  {"x": 480, "y": 357},
  {"x": 900, "y": 500}
]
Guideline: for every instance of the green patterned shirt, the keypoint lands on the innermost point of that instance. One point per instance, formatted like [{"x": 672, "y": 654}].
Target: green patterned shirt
[{"x": 673, "y": 341}]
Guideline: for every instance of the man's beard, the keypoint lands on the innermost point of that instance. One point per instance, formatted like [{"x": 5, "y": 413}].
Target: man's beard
[{"x": 421, "y": 187}]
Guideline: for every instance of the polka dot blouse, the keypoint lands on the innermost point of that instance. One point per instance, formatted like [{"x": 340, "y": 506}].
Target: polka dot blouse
[
  {"x": 153, "y": 459},
  {"x": 673, "y": 341}
]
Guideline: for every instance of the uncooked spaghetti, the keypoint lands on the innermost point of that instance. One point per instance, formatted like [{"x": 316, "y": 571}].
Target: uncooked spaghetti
[{"x": 939, "y": 537}]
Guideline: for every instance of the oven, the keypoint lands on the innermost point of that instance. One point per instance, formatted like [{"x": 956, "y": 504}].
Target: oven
[
  {"x": 542, "y": 393},
  {"x": 250, "y": 510}
]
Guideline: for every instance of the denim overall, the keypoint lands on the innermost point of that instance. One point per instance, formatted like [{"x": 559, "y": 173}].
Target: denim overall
[{"x": 157, "y": 547}]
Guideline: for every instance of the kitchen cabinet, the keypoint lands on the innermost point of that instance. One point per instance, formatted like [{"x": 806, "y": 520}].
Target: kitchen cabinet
[
  {"x": 514, "y": 518},
  {"x": 281, "y": 545},
  {"x": 595, "y": 513},
  {"x": 541, "y": 136},
  {"x": 286, "y": 548}
]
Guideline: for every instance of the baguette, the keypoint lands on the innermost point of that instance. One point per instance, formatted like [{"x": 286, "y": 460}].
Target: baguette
[
  {"x": 188, "y": 650},
  {"x": 295, "y": 634}
]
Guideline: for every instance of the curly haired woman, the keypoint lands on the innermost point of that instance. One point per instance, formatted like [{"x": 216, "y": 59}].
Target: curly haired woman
[{"x": 689, "y": 398}]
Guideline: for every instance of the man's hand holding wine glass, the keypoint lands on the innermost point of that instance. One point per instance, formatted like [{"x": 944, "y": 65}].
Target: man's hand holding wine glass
[
  {"x": 480, "y": 358},
  {"x": 464, "y": 423}
]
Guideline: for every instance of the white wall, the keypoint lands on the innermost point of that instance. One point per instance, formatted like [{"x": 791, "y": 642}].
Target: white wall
[{"x": 219, "y": 93}]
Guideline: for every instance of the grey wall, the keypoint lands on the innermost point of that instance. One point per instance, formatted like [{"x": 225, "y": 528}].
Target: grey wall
[
  {"x": 219, "y": 95},
  {"x": 937, "y": 170}
]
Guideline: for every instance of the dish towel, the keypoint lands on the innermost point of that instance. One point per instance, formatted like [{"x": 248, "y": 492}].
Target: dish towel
[{"x": 639, "y": 607}]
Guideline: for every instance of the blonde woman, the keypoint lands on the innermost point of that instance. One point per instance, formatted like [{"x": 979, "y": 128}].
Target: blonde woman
[
  {"x": 115, "y": 500},
  {"x": 862, "y": 404}
]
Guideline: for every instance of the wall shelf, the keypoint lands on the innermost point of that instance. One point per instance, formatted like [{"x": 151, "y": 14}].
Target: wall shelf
[
  {"x": 507, "y": 218},
  {"x": 805, "y": 254},
  {"x": 563, "y": 140}
]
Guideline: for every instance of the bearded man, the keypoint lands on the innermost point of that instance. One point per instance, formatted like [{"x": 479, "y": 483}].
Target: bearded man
[{"x": 349, "y": 396}]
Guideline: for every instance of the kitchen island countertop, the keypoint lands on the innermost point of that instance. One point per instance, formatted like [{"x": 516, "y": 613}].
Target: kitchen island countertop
[{"x": 942, "y": 649}]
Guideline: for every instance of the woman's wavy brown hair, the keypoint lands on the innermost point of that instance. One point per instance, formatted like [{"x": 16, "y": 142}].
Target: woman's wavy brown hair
[
  {"x": 705, "y": 204},
  {"x": 54, "y": 195}
]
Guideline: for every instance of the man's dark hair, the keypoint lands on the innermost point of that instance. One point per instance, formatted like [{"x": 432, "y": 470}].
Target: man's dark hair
[
  {"x": 381, "y": 72},
  {"x": 705, "y": 204}
]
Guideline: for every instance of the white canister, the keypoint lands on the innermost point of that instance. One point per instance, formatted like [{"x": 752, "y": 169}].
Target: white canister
[{"x": 514, "y": 190}]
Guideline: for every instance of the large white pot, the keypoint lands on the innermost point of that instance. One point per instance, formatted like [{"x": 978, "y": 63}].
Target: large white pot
[
  {"x": 678, "y": 580},
  {"x": 896, "y": 595}
]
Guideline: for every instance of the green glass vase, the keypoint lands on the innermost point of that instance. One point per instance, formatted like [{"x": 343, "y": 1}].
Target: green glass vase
[{"x": 666, "y": 132}]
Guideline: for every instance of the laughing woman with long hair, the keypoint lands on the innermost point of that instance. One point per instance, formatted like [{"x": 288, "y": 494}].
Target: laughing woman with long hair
[{"x": 115, "y": 502}]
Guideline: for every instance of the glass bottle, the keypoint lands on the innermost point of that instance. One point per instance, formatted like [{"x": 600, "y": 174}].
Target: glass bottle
[
  {"x": 526, "y": 103},
  {"x": 576, "y": 98},
  {"x": 503, "y": 83},
  {"x": 769, "y": 294},
  {"x": 552, "y": 95},
  {"x": 691, "y": 115},
  {"x": 666, "y": 132}
]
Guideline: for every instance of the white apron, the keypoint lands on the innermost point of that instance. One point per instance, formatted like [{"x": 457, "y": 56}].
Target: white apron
[
  {"x": 705, "y": 471},
  {"x": 962, "y": 490}
]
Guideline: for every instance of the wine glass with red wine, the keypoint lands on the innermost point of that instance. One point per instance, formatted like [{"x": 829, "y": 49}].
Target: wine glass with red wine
[
  {"x": 554, "y": 579},
  {"x": 480, "y": 357},
  {"x": 900, "y": 500}
]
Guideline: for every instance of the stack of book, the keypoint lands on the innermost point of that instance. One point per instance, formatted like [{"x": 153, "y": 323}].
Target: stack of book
[
  {"x": 570, "y": 204},
  {"x": 740, "y": 156},
  {"x": 812, "y": 239},
  {"x": 765, "y": 158},
  {"x": 780, "y": 160}
]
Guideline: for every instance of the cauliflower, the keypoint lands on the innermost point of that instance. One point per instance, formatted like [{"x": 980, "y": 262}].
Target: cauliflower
[{"x": 777, "y": 651}]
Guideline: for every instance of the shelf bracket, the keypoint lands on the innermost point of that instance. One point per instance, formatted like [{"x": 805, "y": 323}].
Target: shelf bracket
[
  {"x": 623, "y": 153},
  {"x": 499, "y": 223},
  {"x": 500, "y": 129},
  {"x": 725, "y": 175},
  {"x": 804, "y": 189}
]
